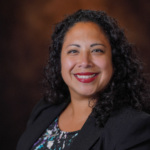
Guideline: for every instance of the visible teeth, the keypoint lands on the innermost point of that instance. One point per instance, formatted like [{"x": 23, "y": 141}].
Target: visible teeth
[{"x": 85, "y": 76}]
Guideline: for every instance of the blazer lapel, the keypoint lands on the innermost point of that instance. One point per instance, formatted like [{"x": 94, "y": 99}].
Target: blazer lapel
[
  {"x": 34, "y": 131},
  {"x": 87, "y": 135}
]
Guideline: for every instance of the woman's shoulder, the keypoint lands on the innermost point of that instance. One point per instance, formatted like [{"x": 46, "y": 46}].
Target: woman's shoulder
[
  {"x": 127, "y": 118},
  {"x": 42, "y": 107},
  {"x": 128, "y": 126},
  {"x": 129, "y": 114},
  {"x": 38, "y": 109}
]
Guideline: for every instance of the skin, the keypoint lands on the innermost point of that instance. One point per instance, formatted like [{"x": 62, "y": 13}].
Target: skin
[{"x": 86, "y": 49}]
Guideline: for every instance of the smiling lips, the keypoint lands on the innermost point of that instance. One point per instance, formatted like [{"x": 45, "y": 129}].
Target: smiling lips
[{"x": 86, "y": 77}]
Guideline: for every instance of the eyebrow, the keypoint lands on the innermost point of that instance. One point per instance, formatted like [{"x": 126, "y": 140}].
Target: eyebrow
[
  {"x": 74, "y": 45},
  {"x": 92, "y": 45},
  {"x": 95, "y": 44}
]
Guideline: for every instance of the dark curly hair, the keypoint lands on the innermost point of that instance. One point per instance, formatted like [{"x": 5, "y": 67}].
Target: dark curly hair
[{"x": 127, "y": 87}]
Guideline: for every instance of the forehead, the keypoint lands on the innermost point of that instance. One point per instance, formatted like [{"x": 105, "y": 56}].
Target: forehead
[
  {"x": 84, "y": 26},
  {"x": 88, "y": 31}
]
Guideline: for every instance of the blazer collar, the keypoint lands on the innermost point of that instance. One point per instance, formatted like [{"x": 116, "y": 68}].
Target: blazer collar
[
  {"x": 88, "y": 135},
  {"x": 86, "y": 138}
]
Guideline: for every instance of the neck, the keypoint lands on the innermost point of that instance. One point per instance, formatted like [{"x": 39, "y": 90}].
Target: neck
[{"x": 80, "y": 108}]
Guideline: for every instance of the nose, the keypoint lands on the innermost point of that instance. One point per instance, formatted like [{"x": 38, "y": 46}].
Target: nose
[{"x": 85, "y": 60}]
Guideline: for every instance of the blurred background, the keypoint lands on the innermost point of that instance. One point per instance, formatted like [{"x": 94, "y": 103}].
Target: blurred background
[{"x": 25, "y": 33}]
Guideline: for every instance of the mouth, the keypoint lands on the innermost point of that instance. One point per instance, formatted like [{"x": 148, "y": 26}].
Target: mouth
[{"x": 86, "y": 77}]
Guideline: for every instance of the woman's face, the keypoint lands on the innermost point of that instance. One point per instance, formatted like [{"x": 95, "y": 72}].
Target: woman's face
[{"x": 86, "y": 60}]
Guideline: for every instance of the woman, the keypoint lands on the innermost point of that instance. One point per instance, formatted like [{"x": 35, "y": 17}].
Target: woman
[{"x": 96, "y": 93}]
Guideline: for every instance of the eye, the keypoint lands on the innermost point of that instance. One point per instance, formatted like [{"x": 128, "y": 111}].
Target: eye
[
  {"x": 72, "y": 52},
  {"x": 97, "y": 51}
]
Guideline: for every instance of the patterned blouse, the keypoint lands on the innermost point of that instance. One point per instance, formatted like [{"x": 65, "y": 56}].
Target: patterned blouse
[{"x": 54, "y": 138}]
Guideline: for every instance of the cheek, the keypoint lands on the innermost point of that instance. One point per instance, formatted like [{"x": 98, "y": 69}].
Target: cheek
[
  {"x": 108, "y": 70},
  {"x": 66, "y": 65},
  {"x": 105, "y": 65}
]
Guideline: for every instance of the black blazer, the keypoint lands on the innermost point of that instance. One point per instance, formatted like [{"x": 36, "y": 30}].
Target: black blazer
[{"x": 126, "y": 129}]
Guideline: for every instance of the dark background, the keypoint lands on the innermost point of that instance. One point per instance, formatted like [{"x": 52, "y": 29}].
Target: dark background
[{"x": 25, "y": 31}]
